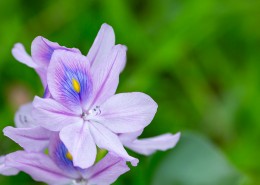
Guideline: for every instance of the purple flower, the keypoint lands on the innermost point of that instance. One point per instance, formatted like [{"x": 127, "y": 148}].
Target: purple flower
[
  {"x": 79, "y": 112},
  {"x": 57, "y": 167},
  {"x": 76, "y": 110},
  {"x": 82, "y": 105}
]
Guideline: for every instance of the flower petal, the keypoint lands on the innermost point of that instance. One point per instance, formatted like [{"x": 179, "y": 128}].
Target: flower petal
[
  {"x": 106, "y": 75},
  {"x": 23, "y": 117},
  {"x": 127, "y": 112},
  {"x": 39, "y": 166},
  {"x": 105, "y": 139},
  {"x": 42, "y": 72},
  {"x": 42, "y": 50},
  {"x": 52, "y": 115},
  {"x": 69, "y": 80},
  {"x": 31, "y": 139},
  {"x": 150, "y": 145},
  {"x": 131, "y": 136},
  {"x": 22, "y": 56},
  {"x": 102, "y": 45},
  {"x": 107, "y": 170},
  {"x": 5, "y": 170},
  {"x": 79, "y": 142}
]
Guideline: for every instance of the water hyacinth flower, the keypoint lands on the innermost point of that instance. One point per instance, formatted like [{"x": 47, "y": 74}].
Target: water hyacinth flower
[
  {"x": 57, "y": 167},
  {"x": 81, "y": 104},
  {"x": 82, "y": 122}
]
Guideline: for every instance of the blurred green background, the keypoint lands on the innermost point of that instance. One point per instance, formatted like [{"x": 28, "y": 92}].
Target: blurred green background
[{"x": 199, "y": 59}]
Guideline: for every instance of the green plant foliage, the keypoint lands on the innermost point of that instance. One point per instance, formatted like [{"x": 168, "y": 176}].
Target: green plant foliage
[{"x": 195, "y": 161}]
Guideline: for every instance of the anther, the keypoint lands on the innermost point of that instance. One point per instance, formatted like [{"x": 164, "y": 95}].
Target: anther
[{"x": 84, "y": 116}]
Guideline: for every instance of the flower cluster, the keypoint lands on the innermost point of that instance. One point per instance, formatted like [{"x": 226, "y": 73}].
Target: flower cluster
[{"x": 80, "y": 115}]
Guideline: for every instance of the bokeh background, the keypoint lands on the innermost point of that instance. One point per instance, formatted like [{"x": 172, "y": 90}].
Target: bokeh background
[{"x": 199, "y": 59}]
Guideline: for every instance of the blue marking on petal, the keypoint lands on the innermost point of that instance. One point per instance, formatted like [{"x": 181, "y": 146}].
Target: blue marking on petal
[
  {"x": 68, "y": 87},
  {"x": 59, "y": 154}
]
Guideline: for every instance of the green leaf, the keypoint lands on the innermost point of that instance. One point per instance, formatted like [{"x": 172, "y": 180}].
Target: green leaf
[{"x": 195, "y": 161}]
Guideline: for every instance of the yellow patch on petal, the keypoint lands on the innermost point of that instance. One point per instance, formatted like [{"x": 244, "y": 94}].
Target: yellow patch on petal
[
  {"x": 69, "y": 156},
  {"x": 76, "y": 85}
]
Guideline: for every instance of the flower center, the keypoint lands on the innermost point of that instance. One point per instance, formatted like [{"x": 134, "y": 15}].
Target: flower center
[
  {"x": 84, "y": 116},
  {"x": 92, "y": 112}
]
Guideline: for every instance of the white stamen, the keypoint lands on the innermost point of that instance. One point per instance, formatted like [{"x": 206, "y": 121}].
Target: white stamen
[
  {"x": 80, "y": 182},
  {"x": 93, "y": 112}
]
